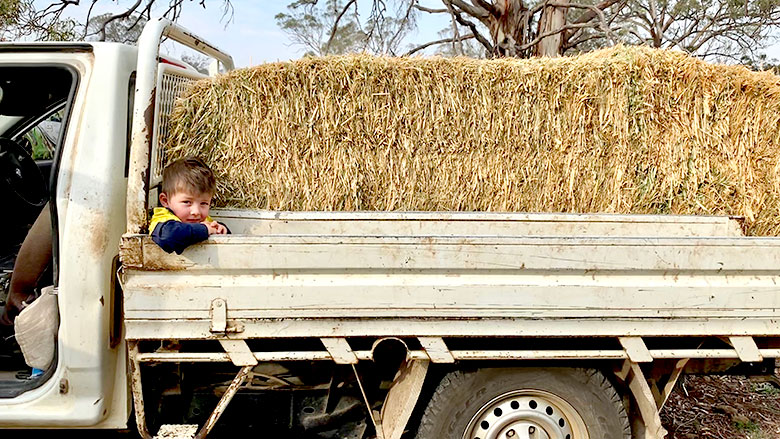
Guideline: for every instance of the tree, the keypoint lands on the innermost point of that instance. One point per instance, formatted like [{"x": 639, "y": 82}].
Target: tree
[
  {"x": 139, "y": 10},
  {"x": 334, "y": 26},
  {"x": 523, "y": 29},
  {"x": 729, "y": 29},
  {"x": 707, "y": 28},
  {"x": 501, "y": 27},
  {"x": 19, "y": 19},
  {"x": 46, "y": 20},
  {"x": 732, "y": 29},
  {"x": 123, "y": 30}
]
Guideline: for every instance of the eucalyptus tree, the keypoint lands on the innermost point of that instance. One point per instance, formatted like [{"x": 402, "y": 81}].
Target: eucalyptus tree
[{"x": 523, "y": 28}]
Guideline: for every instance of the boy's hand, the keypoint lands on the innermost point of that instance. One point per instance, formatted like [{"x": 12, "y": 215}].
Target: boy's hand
[{"x": 215, "y": 228}]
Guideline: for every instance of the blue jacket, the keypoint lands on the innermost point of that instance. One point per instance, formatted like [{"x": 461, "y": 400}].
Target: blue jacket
[{"x": 172, "y": 235}]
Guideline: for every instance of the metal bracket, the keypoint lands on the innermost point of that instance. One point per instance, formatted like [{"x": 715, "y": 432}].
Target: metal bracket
[
  {"x": 219, "y": 321},
  {"x": 223, "y": 402},
  {"x": 218, "y": 315},
  {"x": 375, "y": 416}
]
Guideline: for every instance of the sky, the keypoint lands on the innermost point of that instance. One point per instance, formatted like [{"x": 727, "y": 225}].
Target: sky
[{"x": 252, "y": 36}]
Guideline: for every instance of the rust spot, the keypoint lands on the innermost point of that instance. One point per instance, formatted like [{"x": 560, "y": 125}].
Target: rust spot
[
  {"x": 155, "y": 258},
  {"x": 98, "y": 240},
  {"x": 149, "y": 118},
  {"x": 131, "y": 251},
  {"x": 136, "y": 217}
]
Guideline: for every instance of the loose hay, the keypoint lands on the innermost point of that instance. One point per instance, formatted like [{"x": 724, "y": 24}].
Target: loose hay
[{"x": 623, "y": 130}]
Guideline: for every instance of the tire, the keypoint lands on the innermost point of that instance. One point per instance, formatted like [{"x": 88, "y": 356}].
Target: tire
[{"x": 537, "y": 403}]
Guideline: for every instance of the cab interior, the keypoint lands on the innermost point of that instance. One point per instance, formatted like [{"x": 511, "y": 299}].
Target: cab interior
[{"x": 33, "y": 106}]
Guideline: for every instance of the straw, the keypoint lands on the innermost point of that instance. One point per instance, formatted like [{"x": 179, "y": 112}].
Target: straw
[{"x": 621, "y": 130}]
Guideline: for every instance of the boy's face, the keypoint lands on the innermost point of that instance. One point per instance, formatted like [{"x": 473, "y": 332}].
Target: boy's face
[{"x": 189, "y": 207}]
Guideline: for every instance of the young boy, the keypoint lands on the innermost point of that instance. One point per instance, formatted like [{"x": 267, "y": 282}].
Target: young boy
[{"x": 187, "y": 188}]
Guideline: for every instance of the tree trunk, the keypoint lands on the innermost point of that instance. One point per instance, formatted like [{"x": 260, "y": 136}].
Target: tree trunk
[
  {"x": 509, "y": 30},
  {"x": 553, "y": 19},
  {"x": 508, "y": 27}
]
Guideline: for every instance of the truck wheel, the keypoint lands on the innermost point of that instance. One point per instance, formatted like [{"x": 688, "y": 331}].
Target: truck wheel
[{"x": 525, "y": 403}]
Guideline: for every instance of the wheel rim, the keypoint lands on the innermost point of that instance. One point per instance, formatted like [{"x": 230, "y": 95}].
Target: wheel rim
[{"x": 526, "y": 414}]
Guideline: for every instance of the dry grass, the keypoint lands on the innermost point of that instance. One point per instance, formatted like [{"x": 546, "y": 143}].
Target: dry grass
[{"x": 625, "y": 130}]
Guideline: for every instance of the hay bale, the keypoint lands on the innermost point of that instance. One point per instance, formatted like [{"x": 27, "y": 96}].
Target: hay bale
[{"x": 623, "y": 130}]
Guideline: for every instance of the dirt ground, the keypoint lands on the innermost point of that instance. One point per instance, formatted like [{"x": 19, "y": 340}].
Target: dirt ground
[
  {"x": 701, "y": 407},
  {"x": 723, "y": 407}
]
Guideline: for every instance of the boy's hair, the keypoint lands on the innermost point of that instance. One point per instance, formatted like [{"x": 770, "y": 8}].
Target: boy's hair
[{"x": 188, "y": 174}]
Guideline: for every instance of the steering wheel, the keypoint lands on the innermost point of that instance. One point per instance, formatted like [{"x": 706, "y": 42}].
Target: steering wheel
[{"x": 20, "y": 174}]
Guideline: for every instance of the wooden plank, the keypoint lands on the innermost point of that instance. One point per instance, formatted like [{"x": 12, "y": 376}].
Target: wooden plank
[
  {"x": 436, "y": 349},
  {"x": 402, "y": 398},
  {"x": 358, "y": 216},
  {"x": 444, "y": 295},
  {"x": 238, "y": 352},
  {"x": 679, "y": 367},
  {"x": 472, "y": 223},
  {"x": 281, "y": 253},
  {"x": 643, "y": 397},
  {"x": 746, "y": 349},
  {"x": 636, "y": 349},
  {"x": 339, "y": 350}
]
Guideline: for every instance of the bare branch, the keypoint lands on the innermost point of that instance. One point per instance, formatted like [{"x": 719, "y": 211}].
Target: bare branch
[
  {"x": 455, "y": 33},
  {"x": 86, "y": 23},
  {"x": 592, "y": 10},
  {"x": 544, "y": 35},
  {"x": 442, "y": 41},
  {"x": 492, "y": 10},
  {"x": 473, "y": 27},
  {"x": 431, "y": 11},
  {"x": 335, "y": 26},
  {"x": 475, "y": 11},
  {"x": 596, "y": 11},
  {"x": 115, "y": 17},
  {"x": 402, "y": 25},
  {"x": 56, "y": 8}
]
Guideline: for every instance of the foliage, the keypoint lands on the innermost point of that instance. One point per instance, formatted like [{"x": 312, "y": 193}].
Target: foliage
[
  {"x": 768, "y": 389},
  {"x": 335, "y": 27},
  {"x": 747, "y": 427},
  {"x": 19, "y": 19},
  {"x": 9, "y": 11},
  {"x": 41, "y": 148}
]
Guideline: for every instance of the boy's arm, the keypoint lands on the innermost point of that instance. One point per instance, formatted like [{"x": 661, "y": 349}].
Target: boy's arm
[{"x": 173, "y": 236}]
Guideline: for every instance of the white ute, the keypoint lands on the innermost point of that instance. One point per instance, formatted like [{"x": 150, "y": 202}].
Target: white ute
[{"x": 434, "y": 325}]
